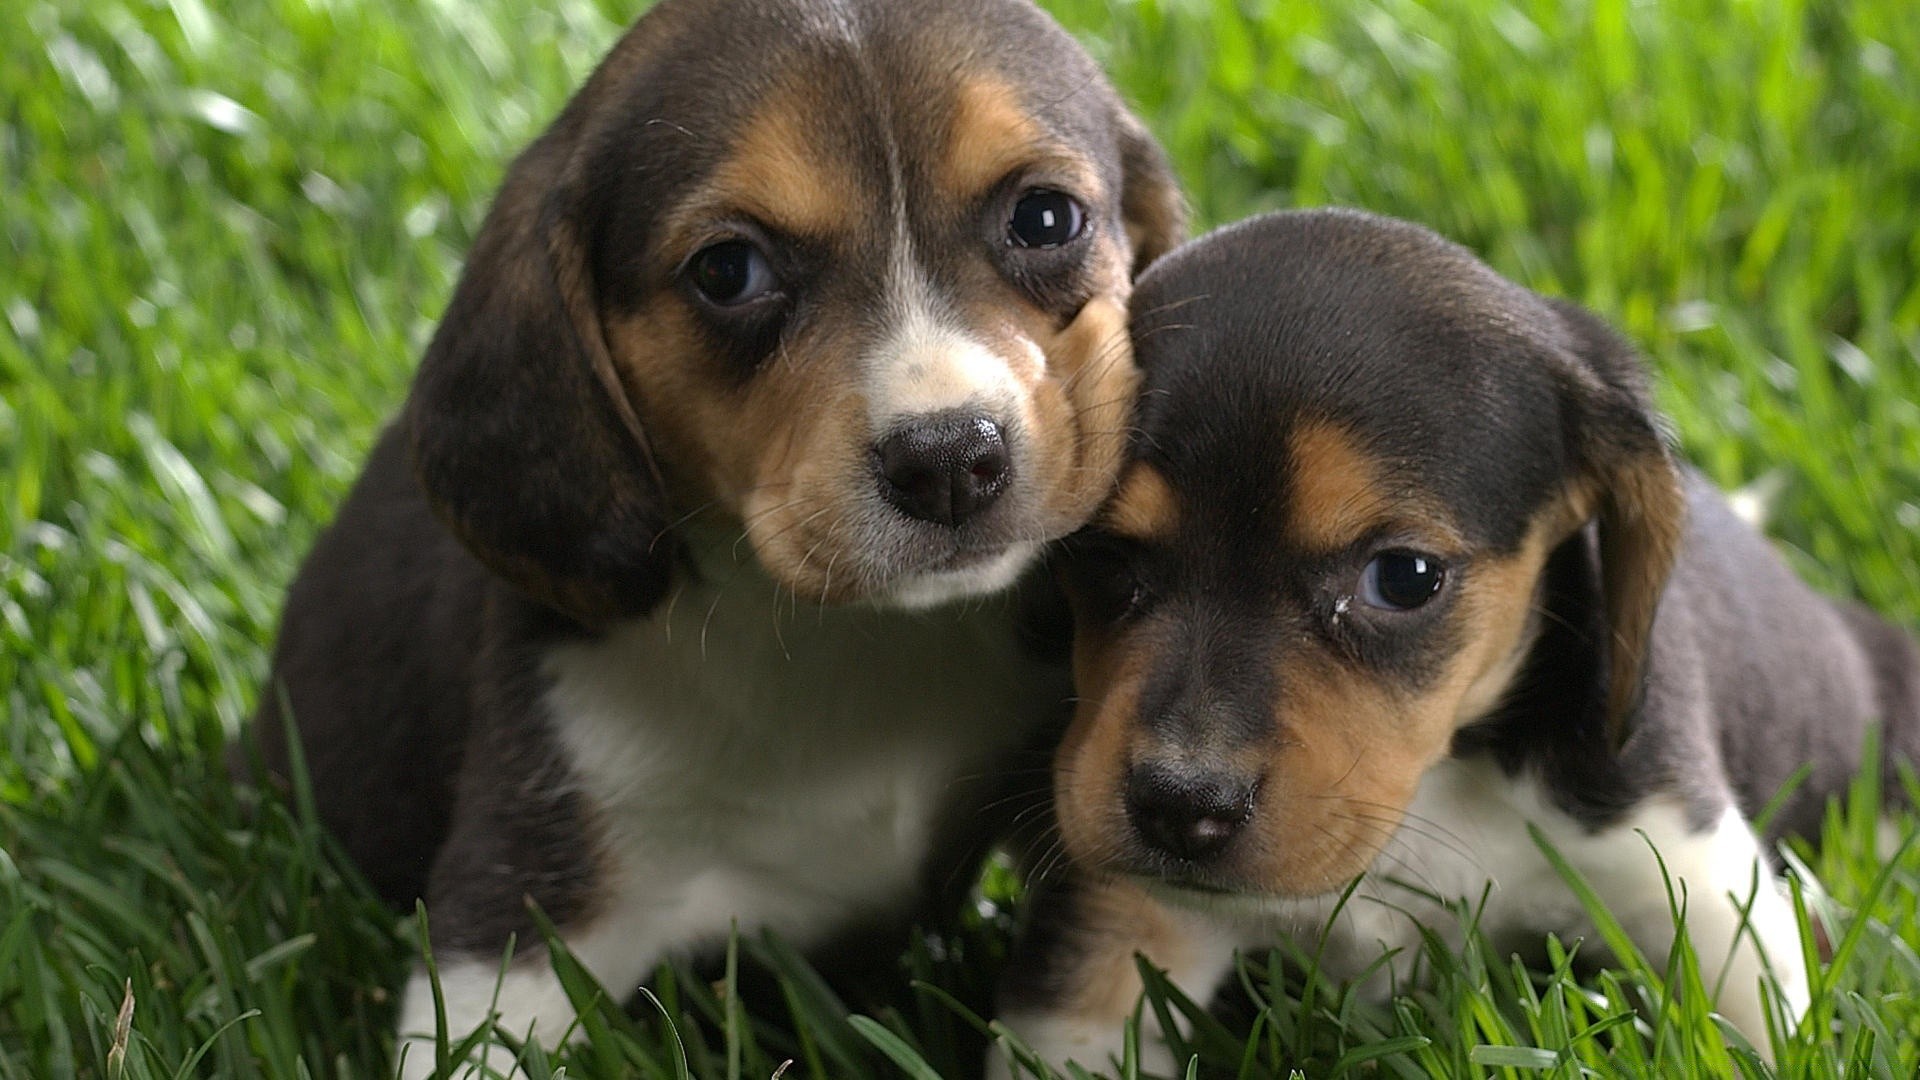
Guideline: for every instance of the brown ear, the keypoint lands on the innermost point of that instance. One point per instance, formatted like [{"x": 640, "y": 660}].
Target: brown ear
[
  {"x": 1642, "y": 515},
  {"x": 1641, "y": 509},
  {"x": 523, "y": 436},
  {"x": 1150, "y": 198}
]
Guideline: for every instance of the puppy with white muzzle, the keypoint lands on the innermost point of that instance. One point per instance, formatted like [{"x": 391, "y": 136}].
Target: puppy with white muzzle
[{"x": 802, "y": 323}]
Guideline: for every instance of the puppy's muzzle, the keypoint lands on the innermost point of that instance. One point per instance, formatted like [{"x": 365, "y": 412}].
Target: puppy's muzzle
[
  {"x": 947, "y": 468},
  {"x": 1191, "y": 814}
]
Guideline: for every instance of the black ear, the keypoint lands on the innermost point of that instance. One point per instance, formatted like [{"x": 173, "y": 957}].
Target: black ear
[
  {"x": 523, "y": 436},
  {"x": 1150, "y": 200},
  {"x": 1621, "y": 451}
]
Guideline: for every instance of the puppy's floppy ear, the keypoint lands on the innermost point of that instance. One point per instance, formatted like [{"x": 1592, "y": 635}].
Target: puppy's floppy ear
[
  {"x": 1622, "y": 454},
  {"x": 1150, "y": 200},
  {"x": 523, "y": 436}
]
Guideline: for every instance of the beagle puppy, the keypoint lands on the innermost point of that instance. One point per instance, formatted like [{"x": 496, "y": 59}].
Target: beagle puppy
[
  {"x": 1399, "y": 568},
  {"x": 678, "y": 595}
]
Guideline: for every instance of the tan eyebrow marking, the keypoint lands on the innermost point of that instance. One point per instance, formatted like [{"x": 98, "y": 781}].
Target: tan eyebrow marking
[
  {"x": 1144, "y": 506},
  {"x": 990, "y": 134},
  {"x": 777, "y": 175},
  {"x": 1337, "y": 495}
]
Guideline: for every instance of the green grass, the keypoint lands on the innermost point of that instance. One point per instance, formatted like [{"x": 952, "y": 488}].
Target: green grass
[{"x": 228, "y": 230}]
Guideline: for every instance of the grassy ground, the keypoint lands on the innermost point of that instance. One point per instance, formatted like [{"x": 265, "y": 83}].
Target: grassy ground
[{"x": 227, "y": 234}]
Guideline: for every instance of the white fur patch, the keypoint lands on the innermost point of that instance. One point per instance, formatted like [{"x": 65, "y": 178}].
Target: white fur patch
[
  {"x": 528, "y": 998},
  {"x": 946, "y": 586},
  {"x": 758, "y": 766},
  {"x": 1753, "y": 503},
  {"x": 929, "y": 362},
  {"x": 1889, "y": 838},
  {"x": 1094, "y": 1045}
]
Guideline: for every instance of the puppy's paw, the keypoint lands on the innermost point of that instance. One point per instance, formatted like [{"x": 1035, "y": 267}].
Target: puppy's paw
[
  {"x": 417, "y": 1063},
  {"x": 526, "y": 1001},
  {"x": 1094, "y": 1046}
]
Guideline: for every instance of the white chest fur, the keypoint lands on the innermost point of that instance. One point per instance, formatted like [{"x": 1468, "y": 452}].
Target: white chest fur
[
  {"x": 777, "y": 768},
  {"x": 753, "y": 765}
]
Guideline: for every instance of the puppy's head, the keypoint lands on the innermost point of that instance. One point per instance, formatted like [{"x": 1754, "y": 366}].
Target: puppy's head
[
  {"x": 847, "y": 274},
  {"x": 1357, "y": 447}
]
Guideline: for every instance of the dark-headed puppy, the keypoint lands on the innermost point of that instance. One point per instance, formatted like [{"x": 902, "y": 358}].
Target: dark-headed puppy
[
  {"x": 805, "y": 316},
  {"x": 1399, "y": 568}
]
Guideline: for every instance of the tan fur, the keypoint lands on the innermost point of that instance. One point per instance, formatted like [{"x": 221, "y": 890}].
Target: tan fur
[
  {"x": 809, "y": 426},
  {"x": 1118, "y": 919},
  {"x": 1081, "y": 409},
  {"x": 1642, "y": 518},
  {"x": 1155, "y": 211},
  {"x": 1353, "y": 749},
  {"x": 1143, "y": 506},
  {"x": 777, "y": 174},
  {"x": 1093, "y": 754},
  {"x": 1340, "y": 492},
  {"x": 785, "y": 452},
  {"x": 1337, "y": 493},
  {"x": 988, "y": 135},
  {"x": 792, "y": 483},
  {"x": 1349, "y": 748}
]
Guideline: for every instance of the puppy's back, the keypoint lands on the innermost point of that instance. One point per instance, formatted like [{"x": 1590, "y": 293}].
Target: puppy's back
[
  {"x": 1794, "y": 677},
  {"x": 1895, "y": 660}
]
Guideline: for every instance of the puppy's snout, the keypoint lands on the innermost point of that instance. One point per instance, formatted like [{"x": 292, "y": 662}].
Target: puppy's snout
[
  {"x": 945, "y": 468},
  {"x": 1191, "y": 814}
]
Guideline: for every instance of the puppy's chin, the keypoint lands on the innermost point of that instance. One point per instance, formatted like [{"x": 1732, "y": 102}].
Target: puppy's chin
[
  {"x": 1234, "y": 903},
  {"x": 1210, "y": 900},
  {"x": 977, "y": 578}
]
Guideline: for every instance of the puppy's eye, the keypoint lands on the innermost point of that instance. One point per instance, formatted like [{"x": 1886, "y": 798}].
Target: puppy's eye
[
  {"x": 1044, "y": 218},
  {"x": 1105, "y": 579},
  {"x": 1400, "y": 580},
  {"x": 731, "y": 273}
]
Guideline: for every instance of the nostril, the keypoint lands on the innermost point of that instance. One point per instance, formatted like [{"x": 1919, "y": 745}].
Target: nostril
[
  {"x": 1211, "y": 831},
  {"x": 988, "y": 460},
  {"x": 1189, "y": 814},
  {"x": 944, "y": 468}
]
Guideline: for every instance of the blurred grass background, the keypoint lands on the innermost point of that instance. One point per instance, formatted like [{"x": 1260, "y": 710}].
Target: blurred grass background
[{"x": 228, "y": 230}]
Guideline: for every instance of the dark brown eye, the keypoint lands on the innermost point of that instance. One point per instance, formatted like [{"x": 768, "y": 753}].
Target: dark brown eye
[
  {"x": 1105, "y": 580},
  {"x": 1044, "y": 218},
  {"x": 731, "y": 273},
  {"x": 1400, "y": 580}
]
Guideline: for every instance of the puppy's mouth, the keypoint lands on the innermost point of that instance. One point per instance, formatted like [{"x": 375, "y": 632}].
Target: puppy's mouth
[
  {"x": 1203, "y": 895},
  {"x": 1192, "y": 887},
  {"x": 967, "y": 572},
  {"x": 1159, "y": 871}
]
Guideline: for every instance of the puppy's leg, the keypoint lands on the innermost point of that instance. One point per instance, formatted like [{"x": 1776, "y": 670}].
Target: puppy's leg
[
  {"x": 1740, "y": 925},
  {"x": 1074, "y": 981},
  {"x": 528, "y": 998},
  {"x": 531, "y": 843},
  {"x": 528, "y": 993}
]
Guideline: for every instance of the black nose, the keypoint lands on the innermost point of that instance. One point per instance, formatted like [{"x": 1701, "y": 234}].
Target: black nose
[
  {"x": 1189, "y": 814},
  {"x": 943, "y": 468}
]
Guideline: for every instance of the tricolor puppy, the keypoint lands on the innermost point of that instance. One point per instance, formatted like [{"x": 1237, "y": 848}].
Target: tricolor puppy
[
  {"x": 1400, "y": 566},
  {"x": 804, "y": 318}
]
